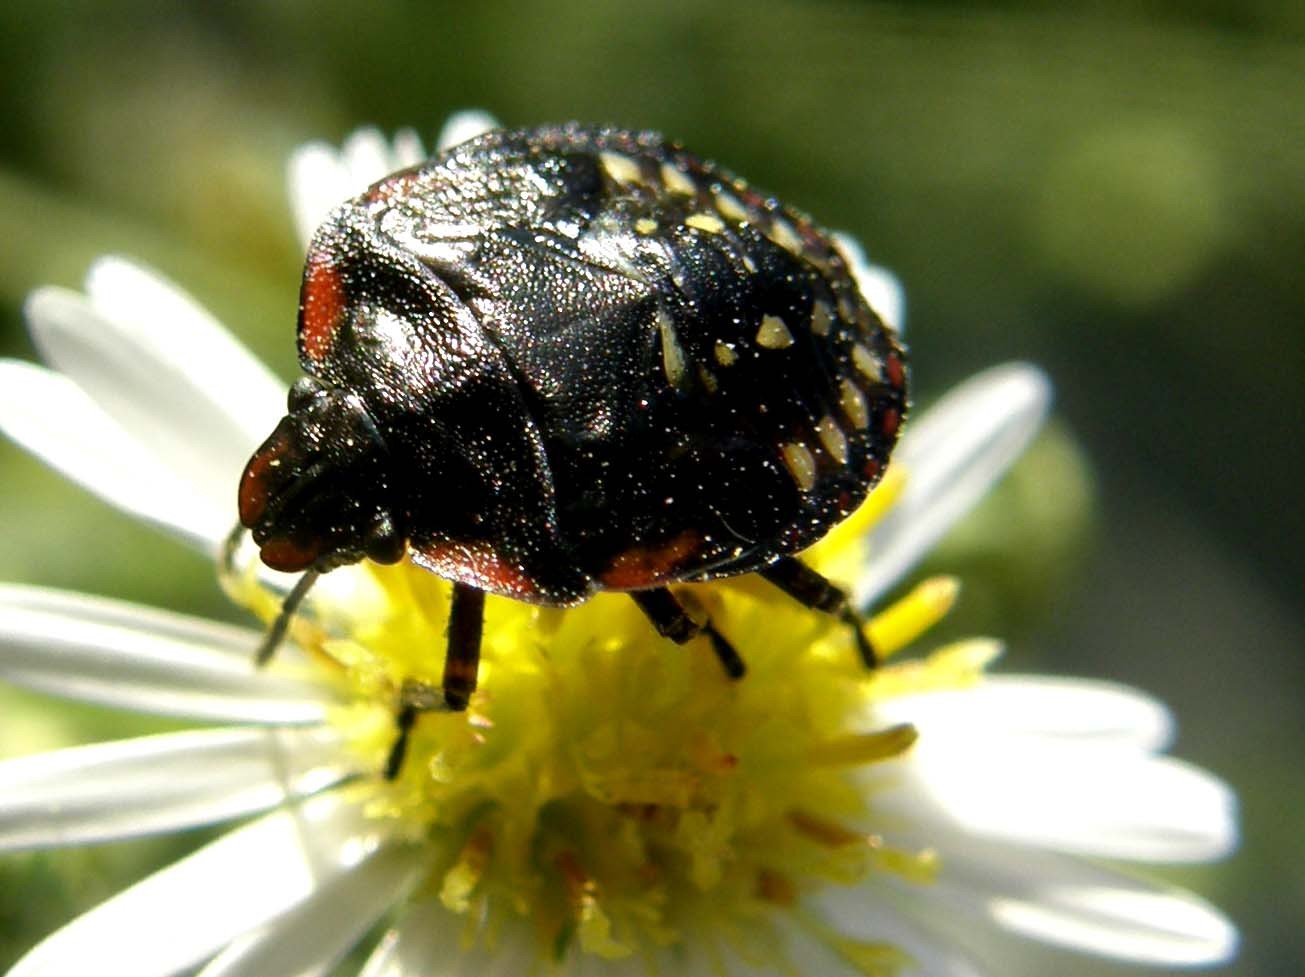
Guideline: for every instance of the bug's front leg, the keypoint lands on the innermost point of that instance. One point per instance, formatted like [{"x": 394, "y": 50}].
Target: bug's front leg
[
  {"x": 672, "y": 621},
  {"x": 461, "y": 665},
  {"x": 812, "y": 590}
]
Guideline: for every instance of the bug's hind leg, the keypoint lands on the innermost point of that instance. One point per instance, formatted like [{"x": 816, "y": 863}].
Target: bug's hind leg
[
  {"x": 461, "y": 665},
  {"x": 672, "y": 621},
  {"x": 812, "y": 590}
]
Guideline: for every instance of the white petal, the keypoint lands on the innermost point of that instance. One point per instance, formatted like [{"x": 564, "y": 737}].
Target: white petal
[
  {"x": 881, "y": 289},
  {"x": 367, "y": 157},
  {"x": 51, "y": 417},
  {"x": 855, "y": 912},
  {"x": 427, "y": 942},
  {"x": 1077, "y": 710},
  {"x": 318, "y": 183},
  {"x": 1072, "y": 903},
  {"x": 952, "y": 456},
  {"x": 308, "y": 940},
  {"x": 464, "y": 125},
  {"x": 408, "y": 149},
  {"x": 1110, "y": 803},
  {"x": 160, "y": 783},
  {"x": 321, "y": 177},
  {"x": 164, "y": 371},
  {"x": 122, "y": 655},
  {"x": 185, "y": 913},
  {"x": 239, "y": 396}
]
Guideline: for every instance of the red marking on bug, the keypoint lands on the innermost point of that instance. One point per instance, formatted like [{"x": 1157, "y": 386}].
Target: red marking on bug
[
  {"x": 890, "y": 421},
  {"x": 255, "y": 483},
  {"x": 646, "y": 566},
  {"x": 321, "y": 307},
  {"x": 871, "y": 469},
  {"x": 478, "y": 565},
  {"x": 289, "y": 555},
  {"x": 896, "y": 372}
]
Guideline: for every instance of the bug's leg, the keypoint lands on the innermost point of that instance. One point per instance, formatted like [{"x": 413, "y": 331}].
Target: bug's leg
[
  {"x": 282, "y": 623},
  {"x": 812, "y": 590},
  {"x": 403, "y": 722},
  {"x": 461, "y": 663},
  {"x": 672, "y": 621}
]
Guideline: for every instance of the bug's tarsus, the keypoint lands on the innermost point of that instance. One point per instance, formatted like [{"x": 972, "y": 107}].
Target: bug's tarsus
[
  {"x": 672, "y": 621},
  {"x": 277, "y": 631},
  {"x": 403, "y": 721},
  {"x": 461, "y": 665},
  {"x": 812, "y": 590}
]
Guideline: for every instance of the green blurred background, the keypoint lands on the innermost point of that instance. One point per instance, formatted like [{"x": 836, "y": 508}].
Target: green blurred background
[{"x": 1115, "y": 191}]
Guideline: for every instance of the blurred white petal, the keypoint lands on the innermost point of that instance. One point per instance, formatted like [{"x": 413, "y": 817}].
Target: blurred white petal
[
  {"x": 859, "y": 914},
  {"x": 169, "y": 782},
  {"x": 162, "y": 369},
  {"x": 1039, "y": 706},
  {"x": 1057, "y": 763},
  {"x": 51, "y": 417},
  {"x": 419, "y": 945},
  {"x": 881, "y": 289},
  {"x": 116, "y": 654},
  {"x": 464, "y": 125},
  {"x": 310, "y": 939},
  {"x": 225, "y": 386},
  {"x": 952, "y": 455},
  {"x": 1067, "y": 797},
  {"x": 367, "y": 157},
  {"x": 1073, "y": 903},
  {"x": 318, "y": 184},
  {"x": 408, "y": 149},
  {"x": 187, "y": 912}
]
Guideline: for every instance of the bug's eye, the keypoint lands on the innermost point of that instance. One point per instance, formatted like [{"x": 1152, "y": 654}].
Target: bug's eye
[
  {"x": 384, "y": 543},
  {"x": 302, "y": 391}
]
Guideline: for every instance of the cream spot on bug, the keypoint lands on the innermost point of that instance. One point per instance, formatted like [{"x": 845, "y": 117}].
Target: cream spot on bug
[
  {"x": 847, "y": 308},
  {"x": 833, "y": 439},
  {"x": 852, "y": 401},
  {"x": 749, "y": 264},
  {"x": 705, "y": 222},
  {"x": 725, "y": 354},
  {"x": 822, "y": 318},
  {"x": 782, "y": 233},
  {"x": 676, "y": 181},
  {"x": 620, "y": 168},
  {"x": 708, "y": 379},
  {"x": 729, "y": 206},
  {"x": 773, "y": 333},
  {"x": 865, "y": 362},
  {"x": 672, "y": 352},
  {"x": 801, "y": 464},
  {"x": 645, "y": 225}
]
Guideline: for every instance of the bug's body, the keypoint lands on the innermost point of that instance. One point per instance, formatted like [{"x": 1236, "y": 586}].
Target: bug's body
[{"x": 570, "y": 359}]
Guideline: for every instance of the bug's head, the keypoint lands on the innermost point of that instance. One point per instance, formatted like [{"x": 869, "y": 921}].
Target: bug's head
[{"x": 318, "y": 493}]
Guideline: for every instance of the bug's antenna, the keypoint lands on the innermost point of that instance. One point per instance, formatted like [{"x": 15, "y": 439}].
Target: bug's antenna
[{"x": 288, "y": 607}]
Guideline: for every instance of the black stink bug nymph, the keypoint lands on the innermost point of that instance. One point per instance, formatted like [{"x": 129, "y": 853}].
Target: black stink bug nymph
[{"x": 572, "y": 359}]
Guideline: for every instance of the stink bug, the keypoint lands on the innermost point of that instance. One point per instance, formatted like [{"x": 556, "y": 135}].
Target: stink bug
[{"x": 569, "y": 359}]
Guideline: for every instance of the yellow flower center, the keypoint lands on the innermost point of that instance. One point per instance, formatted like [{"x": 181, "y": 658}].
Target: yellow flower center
[{"x": 619, "y": 791}]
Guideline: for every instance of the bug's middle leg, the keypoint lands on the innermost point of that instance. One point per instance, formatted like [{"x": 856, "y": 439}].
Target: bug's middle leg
[
  {"x": 812, "y": 590},
  {"x": 461, "y": 665},
  {"x": 672, "y": 621}
]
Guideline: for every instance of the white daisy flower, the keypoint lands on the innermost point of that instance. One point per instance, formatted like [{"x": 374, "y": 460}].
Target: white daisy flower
[{"x": 606, "y": 805}]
